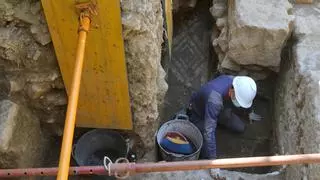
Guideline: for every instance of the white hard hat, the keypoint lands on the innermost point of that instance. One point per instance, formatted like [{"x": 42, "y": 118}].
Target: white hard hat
[{"x": 245, "y": 90}]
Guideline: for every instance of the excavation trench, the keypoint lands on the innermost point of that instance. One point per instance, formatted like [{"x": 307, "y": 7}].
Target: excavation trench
[
  {"x": 33, "y": 95},
  {"x": 193, "y": 63}
]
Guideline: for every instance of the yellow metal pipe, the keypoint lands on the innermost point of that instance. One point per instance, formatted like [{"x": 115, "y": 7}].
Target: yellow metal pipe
[{"x": 69, "y": 126}]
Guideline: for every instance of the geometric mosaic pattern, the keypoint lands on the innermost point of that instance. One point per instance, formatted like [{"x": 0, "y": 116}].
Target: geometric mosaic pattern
[
  {"x": 190, "y": 52},
  {"x": 188, "y": 68}
]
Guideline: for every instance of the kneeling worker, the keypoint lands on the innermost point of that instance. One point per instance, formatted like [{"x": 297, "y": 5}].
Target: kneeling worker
[{"x": 208, "y": 106}]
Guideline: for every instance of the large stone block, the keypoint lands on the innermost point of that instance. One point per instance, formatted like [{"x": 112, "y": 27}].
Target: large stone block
[
  {"x": 19, "y": 136},
  {"x": 252, "y": 35},
  {"x": 258, "y": 30}
]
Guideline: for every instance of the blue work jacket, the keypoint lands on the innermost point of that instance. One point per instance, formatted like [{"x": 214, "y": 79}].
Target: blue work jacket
[{"x": 206, "y": 105}]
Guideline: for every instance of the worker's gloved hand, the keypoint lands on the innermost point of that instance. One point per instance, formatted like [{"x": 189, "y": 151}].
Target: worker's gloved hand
[
  {"x": 215, "y": 174},
  {"x": 254, "y": 117}
]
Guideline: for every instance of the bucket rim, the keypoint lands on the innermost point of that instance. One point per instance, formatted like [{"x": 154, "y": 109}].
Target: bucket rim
[
  {"x": 175, "y": 154},
  {"x": 90, "y": 132}
]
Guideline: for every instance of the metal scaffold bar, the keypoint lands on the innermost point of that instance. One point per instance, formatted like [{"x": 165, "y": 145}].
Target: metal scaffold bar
[{"x": 133, "y": 168}]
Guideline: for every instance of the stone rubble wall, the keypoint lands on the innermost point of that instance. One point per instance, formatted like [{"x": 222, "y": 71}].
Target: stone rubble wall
[
  {"x": 29, "y": 70},
  {"x": 252, "y": 35},
  {"x": 30, "y": 75},
  {"x": 142, "y": 31},
  {"x": 20, "y": 136},
  {"x": 297, "y": 97}
]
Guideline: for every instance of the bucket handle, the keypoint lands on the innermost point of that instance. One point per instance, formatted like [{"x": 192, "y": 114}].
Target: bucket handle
[
  {"x": 182, "y": 117},
  {"x": 128, "y": 146},
  {"x": 107, "y": 167},
  {"x": 72, "y": 151}
]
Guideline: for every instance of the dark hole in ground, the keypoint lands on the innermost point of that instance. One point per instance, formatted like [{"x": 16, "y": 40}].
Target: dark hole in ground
[{"x": 193, "y": 63}]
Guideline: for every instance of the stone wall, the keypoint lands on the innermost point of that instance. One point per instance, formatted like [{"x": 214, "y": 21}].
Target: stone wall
[
  {"x": 17, "y": 123},
  {"x": 251, "y": 35},
  {"x": 142, "y": 31},
  {"x": 297, "y": 99},
  {"x": 30, "y": 75},
  {"x": 29, "y": 71}
]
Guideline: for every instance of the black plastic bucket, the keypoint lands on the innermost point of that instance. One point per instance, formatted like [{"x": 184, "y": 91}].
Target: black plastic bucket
[{"x": 94, "y": 145}]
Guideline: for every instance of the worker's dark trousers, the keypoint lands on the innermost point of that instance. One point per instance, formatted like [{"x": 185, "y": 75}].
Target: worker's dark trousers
[
  {"x": 226, "y": 118},
  {"x": 231, "y": 121}
]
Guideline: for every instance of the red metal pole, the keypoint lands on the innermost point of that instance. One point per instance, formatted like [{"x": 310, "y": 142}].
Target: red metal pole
[
  {"x": 133, "y": 168},
  {"x": 218, "y": 163},
  {"x": 53, "y": 171}
]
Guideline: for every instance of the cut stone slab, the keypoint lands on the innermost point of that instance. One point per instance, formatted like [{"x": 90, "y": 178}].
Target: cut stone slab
[
  {"x": 252, "y": 35},
  {"x": 297, "y": 101},
  {"x": 19, "y": 136},
  {"x": 258, "y": 30},
  {"x": 204, "y": 175}
]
